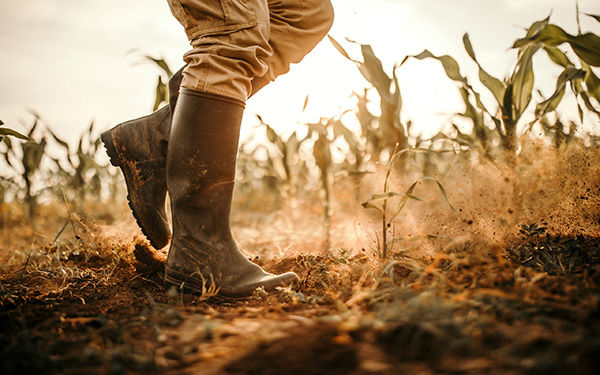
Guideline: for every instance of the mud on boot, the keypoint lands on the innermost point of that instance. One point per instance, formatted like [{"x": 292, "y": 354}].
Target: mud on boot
[
  {"x": 138, "y": 147},
  {"x": 201, "y": 162}
]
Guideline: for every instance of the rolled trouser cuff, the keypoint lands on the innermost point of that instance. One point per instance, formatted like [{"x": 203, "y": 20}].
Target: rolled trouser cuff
[{"x": 208, "y": 95}]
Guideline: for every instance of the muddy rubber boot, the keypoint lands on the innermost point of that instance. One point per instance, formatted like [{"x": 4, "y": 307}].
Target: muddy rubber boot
[
  {"x": 200, "y": 176},
  {"x": 139, "y": 148}
]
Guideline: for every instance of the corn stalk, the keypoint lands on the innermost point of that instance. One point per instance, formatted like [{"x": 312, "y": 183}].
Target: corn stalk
[
  {"x": 284, "y": 167},
  {"x": 25, "y": 160},
  {"x": 83, "y": 174}
]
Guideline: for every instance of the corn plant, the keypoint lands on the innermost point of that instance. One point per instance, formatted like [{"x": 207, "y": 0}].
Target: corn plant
[
  {"x": 25, "y": 160},
  {"x": 284, "y": 168},
  {"x": 373, "y": 129},
  {"x": 7, "y": 184},
  {"x": 514, "y": 93},
  {"x": 324, "y": 161},
  {"x": 388, "y": 210},
  {"x": 83, "y": 174},
  {"x": 583, "y": 81},
  {"x": 387, "y": 130}
]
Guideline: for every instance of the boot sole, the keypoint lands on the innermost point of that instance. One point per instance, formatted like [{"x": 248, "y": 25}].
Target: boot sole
[
  {"x": 190, "y": 288},
  {"x": 117, "y": 160}
]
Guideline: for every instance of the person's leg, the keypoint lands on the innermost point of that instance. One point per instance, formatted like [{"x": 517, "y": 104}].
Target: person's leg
[
  {"x": 296, "y": 26},
  {"x": 139, "y": 148},
  {"x": 200, "y": 176},
  {"x": 229, "y": 41}
]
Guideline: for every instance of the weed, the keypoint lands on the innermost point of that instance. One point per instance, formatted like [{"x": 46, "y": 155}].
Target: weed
[{"x": 388, "y": 214}]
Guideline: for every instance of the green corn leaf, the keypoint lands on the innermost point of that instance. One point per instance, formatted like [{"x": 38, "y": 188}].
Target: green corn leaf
[
  {"x": 577, "y": 87},
  {"x": 551, "y": 35},
  {"x": 469, "y": 47},
  {"x": 557, "y": 56},
  {"x": 537, "y": 27},
  {"x": 448, "y": 63},
  {"x": 377, "y": 75},
  {"x": 523, "y": 80},
  {"x": 588, "y": 103},
  {"x": 13, "y": 133},
  {"x": 161, "y": 63},
  {"x": 493, "y": 84},
  {"x": 592, "y": 82},
  {"x": 586, "y": 46},
  {"x": 161, "y": 93},
  {"x": 550, "y": 104}
]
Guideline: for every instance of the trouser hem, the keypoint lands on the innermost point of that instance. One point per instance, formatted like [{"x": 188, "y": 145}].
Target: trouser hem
[{"x": 204, "y": 94}]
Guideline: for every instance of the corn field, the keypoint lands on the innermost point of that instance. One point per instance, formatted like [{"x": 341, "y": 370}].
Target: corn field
[{"x": 475, "y": 250}]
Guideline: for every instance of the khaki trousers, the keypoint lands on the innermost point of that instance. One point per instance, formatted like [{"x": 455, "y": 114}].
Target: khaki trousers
[{"x": 238, "y": 46}]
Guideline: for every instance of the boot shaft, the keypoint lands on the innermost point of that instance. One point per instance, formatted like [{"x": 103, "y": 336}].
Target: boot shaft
[{"x": 203, "y": 143}]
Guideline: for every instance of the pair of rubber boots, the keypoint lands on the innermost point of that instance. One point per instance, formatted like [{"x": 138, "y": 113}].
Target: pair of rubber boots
[{"x": 192, "y": 154}]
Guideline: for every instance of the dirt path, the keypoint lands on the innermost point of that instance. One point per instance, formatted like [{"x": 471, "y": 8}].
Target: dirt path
[{"x": 88, "y": 306}]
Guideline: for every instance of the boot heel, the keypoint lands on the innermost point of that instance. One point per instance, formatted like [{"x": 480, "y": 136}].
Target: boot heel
[{"x": 111, "y": 151}]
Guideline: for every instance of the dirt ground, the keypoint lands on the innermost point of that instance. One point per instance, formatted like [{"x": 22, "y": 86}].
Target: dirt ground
[{"x": 91, "y": 301}]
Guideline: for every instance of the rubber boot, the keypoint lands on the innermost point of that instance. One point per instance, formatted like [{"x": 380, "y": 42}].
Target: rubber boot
[
  {"x": 200, "y": 177},
  {"x": 139, "y": 148}
]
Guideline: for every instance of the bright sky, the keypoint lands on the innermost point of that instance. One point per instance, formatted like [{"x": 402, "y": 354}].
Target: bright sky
[{"x": 70, "y": 60}]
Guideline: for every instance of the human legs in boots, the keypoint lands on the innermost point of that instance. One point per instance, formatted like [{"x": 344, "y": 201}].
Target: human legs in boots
[{"x": 237, "y": 48}]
